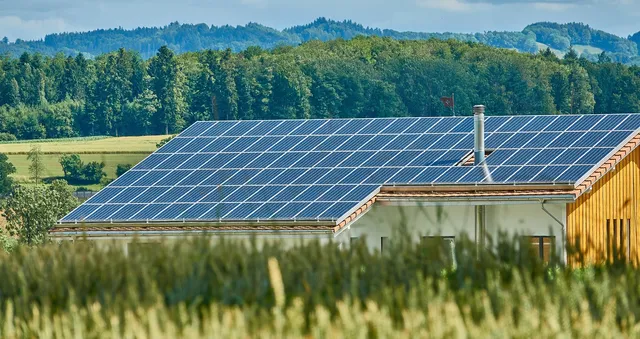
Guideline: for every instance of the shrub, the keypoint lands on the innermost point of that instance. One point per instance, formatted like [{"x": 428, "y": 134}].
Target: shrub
[
  {"x": 122, "y": 169},
  {"x": 93, "y": 172},
  {"x": 7, "y": 243},
  {"x": 6, "y": 168},
  {"x": 105, "y": 181},
  {"x": 164, "y": 141},
  {"x": 7, "y": 137},
  {"x": 71, "y": 166},
  {"x": 75, "y": 171},
  {"x": 31, "y": 211}
]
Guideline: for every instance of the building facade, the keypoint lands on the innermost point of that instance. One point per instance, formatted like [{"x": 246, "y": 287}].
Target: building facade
[{"x": 558, "y": 180}]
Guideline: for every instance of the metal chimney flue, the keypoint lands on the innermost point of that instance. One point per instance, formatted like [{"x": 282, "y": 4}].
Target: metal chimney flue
[
  {"x": 478, "y": 134},
  {"x": 478, "y": 159}
]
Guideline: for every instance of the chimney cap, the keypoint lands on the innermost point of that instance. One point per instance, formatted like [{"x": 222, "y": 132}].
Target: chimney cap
[{"x": 478, "y": 109}]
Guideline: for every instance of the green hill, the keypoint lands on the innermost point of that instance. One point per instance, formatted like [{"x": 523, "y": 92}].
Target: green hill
[{"x": 183, "y": 38}]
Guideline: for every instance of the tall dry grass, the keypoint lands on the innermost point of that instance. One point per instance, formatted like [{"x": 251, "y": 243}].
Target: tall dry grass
[{"x": 235, "y": 290}]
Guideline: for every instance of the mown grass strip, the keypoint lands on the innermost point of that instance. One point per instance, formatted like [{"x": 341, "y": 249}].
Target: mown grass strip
[
  {"x": 120, "y": 145},
  {"x": 39, "y": 141},
  {"x": 80, "y": 152}
]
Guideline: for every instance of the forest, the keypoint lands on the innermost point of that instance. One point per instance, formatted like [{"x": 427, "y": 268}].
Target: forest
[
  {"x": 120, "y": 93},
  {"x": 183, "y": 38}
]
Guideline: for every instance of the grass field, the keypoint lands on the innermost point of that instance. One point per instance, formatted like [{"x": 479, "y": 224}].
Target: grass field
[
  {"x": 578, "y": 48},
  {"x": 53, "y": 168},
  {"x": 143, "y": 144},
  {"x": 586, "y": 48},
  {"x": 557, "y": 52},
  {"x": 111, "y": 151},
  {"x": 190, "y": 288}
]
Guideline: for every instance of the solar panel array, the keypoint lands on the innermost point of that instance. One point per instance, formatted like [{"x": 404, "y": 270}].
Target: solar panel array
[{"x": 324, "y": 169}]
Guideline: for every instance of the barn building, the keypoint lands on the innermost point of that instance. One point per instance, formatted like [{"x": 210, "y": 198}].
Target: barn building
[{"x": 551, "y": 178}]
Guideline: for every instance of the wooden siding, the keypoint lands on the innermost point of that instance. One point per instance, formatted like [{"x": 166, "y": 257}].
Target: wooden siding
[{"x": 612, "y": 201}]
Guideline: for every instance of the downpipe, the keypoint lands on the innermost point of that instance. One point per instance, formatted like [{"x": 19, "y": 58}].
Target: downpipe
[{"x": 562, "y": 227}]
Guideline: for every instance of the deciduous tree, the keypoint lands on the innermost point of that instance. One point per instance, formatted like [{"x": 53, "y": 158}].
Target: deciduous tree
[
  {"x": 31, "y": 211},
  {"x": 36, "y": 167},
  {"x": 6, "y": 168}
]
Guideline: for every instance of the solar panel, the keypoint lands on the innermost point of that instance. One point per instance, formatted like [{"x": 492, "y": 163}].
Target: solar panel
[{"x": 324, "y": 169}]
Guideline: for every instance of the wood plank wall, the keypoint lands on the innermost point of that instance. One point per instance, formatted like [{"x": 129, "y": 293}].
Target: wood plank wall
[{"x": 591, "y": 218}]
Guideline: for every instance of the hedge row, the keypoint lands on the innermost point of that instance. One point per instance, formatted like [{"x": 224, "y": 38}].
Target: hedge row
[
  {"x": 78, "y": 152},
  {"x": 76, "y": 139}
]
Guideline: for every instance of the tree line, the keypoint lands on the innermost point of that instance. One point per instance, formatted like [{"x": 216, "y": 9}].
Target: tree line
[
  {"x": 183, "y": 38},
  {"x": 121, "y": 94}
]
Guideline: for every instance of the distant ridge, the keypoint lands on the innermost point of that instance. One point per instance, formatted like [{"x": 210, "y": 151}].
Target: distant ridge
[{"x": 181, "y": 38}]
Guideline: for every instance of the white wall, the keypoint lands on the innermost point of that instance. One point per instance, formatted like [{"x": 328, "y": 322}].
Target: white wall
[
  {"x": 450, "y": 220},
  {"x": 286, "y": 239},
  {"x": 381, "y": 219}
]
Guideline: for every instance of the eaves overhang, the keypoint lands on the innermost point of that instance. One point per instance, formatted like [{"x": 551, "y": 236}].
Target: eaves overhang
[{"x": 585, "y": 183}]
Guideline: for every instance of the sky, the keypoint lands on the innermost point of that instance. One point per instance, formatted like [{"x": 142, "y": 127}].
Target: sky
[{"x": 33, "y": 19}]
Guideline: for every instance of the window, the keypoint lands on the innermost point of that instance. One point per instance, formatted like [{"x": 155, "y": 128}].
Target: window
[
  {"x": 543, "y": 246},
  {"x": 384, "y": 243},
  {"x": 628, "y": 239},
  {"x": 447, "y": 244},
  {"x": 618, "y": 238}
]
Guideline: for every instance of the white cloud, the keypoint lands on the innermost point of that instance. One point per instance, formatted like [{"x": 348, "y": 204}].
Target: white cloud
[
  {"x": 475, "y": 5},
  {"x": 14, "y": 27},
  {"x": 447, "y": 5},
  {"x": 32, "y": 19},
  {"x": 553, "y": 6}
]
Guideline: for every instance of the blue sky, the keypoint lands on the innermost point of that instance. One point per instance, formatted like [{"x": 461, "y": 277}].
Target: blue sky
[{"x": 32, "y": 19}]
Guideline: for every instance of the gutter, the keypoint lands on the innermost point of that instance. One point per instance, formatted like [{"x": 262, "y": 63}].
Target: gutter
[
  {"x": 562, "y": 226},
  {"x": 496, "y": 199},
  {"x": 476, "y": 187},
  {"x": 181, "y": 232},
  {"x": 186, "y": 223}
]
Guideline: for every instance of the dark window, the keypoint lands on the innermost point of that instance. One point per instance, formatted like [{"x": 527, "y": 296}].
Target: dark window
[
  {"x": 543, "y": 246},
  {"x": 628, "y": 239},
  {"x": 618, "y": 238},
  {"x": 384, "y": 243},
  {"x": 446, "y": 244}
]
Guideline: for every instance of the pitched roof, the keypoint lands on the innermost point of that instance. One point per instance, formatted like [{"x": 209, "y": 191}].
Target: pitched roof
[{"x": 327, "y": 170}]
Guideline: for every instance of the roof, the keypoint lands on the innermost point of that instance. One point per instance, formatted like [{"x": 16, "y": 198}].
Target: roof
[{"x": 327, "y": 170}]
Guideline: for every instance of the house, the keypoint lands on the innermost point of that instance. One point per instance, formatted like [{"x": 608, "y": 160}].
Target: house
[{"x": 552, "y": 178}]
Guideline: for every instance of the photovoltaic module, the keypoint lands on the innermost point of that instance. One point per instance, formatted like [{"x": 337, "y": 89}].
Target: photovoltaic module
[{"x": 288, "y": 170}]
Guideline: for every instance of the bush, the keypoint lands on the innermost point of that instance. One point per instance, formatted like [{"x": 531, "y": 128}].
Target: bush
[
  {"x": 122, "y": 169},
  {"x": 105, "y": 181},
  {"x": 7, "y": 243},
  {"x": 164, "y": 141},
  {"x": 93, "y": 172},
  {"x": 31, "y": 211},
  {"x": 7, "y": 137},
  {"x": 6, "y": 169},
  {"x": 75, "y": 171},
  {"x": 71, "y": 166}
]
